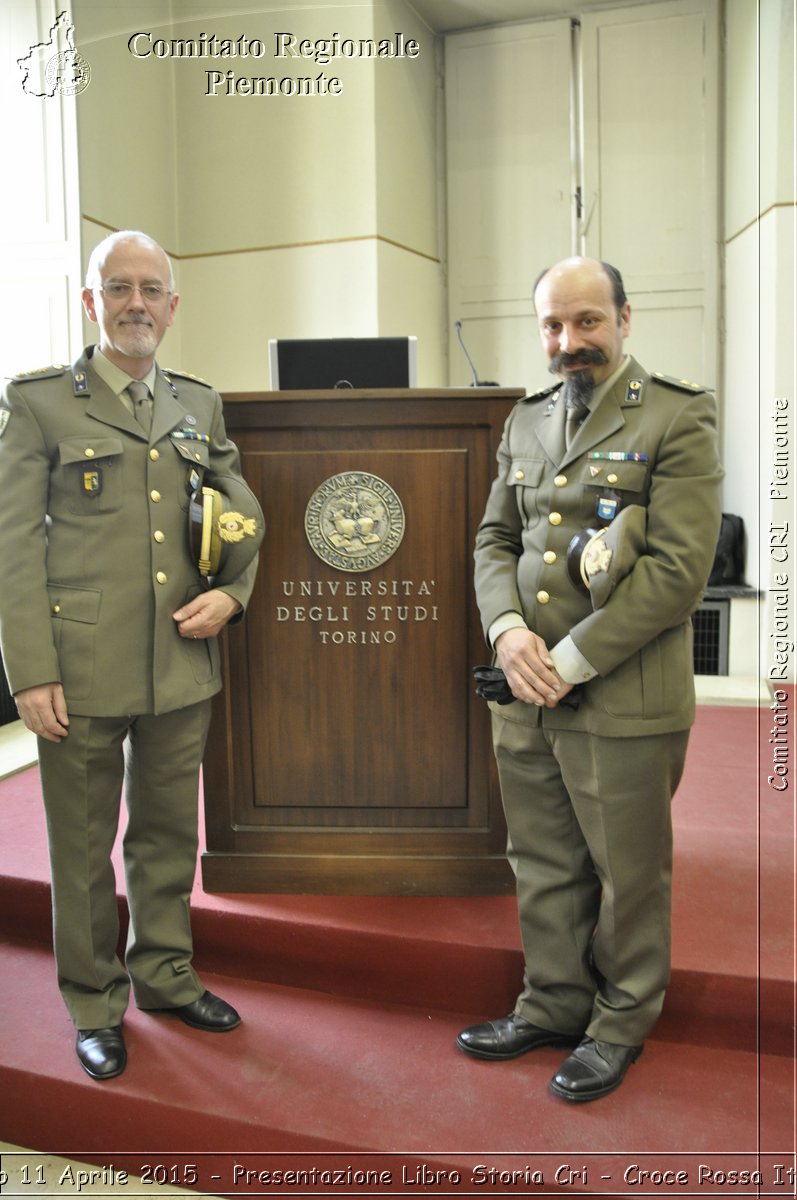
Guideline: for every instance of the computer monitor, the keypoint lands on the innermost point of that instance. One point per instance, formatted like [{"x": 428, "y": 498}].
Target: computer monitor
[{"x": 310, "y": 364}]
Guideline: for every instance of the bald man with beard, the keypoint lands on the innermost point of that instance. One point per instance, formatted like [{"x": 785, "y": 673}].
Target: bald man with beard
[{"x": 593, "y": 553}]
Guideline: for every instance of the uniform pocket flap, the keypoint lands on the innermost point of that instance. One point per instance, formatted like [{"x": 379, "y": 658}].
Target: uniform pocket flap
[
  {"x": 525, "y": 472},
  {"x": 625, "y": 476},
  {"x": 86, "y": 449},
  {"x": 192, "y": 451},
  {"x": 73, "y": 603}
]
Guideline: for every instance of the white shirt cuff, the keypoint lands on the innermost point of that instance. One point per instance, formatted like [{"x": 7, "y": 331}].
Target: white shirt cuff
[{"x": 571, "y": 663}]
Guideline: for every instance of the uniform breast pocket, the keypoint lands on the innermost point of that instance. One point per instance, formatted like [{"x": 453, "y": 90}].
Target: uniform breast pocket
[
  {"x": 610, "y": 487},
  {"x": 524, "y": 476},
  {"x": 92, "y": 474},
  {"x": 194, "y": 456}
]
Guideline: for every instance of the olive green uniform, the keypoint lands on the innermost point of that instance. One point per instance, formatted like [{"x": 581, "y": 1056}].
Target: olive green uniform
[
  {"x": 587, "y": 790},
  {"x": 94, "y": 535}
]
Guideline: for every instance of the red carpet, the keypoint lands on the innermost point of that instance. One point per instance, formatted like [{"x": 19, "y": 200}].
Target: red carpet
[{"x": 351, "y": 1006}]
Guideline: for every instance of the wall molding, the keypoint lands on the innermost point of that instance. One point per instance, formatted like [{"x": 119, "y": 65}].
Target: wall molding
[
  {"x": 364, "y": 237},
  {"x": 756, "y": 220}
]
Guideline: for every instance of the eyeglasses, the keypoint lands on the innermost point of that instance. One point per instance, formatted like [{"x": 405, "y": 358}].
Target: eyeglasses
[{"x": 151, "y": 293}]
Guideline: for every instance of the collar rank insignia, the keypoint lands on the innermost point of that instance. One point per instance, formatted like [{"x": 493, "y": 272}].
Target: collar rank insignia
[
  {"x": 80, "y": 383},
  {"x": 633, "y": 393}
]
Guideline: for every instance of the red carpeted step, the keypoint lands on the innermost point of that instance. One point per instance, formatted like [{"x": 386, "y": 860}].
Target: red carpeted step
[
  {"x": 348, "y": 1035},
  {"x": 732, "y": 979},
  {"x": 312, "y": 1072}
]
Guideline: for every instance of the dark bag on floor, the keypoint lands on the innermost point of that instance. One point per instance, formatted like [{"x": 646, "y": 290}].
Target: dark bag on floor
[{"x": 729, "y": 559}]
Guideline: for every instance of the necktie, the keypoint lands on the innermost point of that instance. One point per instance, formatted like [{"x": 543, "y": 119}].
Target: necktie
[
  {"x": 142, "y": 406},
  {"x": 577, "y": 411}
]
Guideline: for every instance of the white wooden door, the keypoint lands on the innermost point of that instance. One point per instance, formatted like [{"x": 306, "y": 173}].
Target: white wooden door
[
  {"x": 510, "y": 185},
  {"x": 598, "y": 136},
  {"x": 650, "y": 174}
]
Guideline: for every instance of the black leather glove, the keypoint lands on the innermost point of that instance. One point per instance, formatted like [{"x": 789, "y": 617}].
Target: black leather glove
[{"x": 492, "y": 685}]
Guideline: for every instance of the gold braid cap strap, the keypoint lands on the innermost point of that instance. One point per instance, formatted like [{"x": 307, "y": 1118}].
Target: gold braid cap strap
[{"x": 225, "y": 528}]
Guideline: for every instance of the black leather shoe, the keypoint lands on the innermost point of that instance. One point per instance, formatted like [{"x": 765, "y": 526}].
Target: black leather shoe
[
  {"x": 509, "y": 1037},
  {"x": 101, "y": 1052},
  {"x": 208, "y": 1012},
  {"x": 593, "y": 1069}
]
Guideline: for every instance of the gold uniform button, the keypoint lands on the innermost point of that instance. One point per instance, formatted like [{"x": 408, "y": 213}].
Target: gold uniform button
[
  {"x": 154, "y": 496},
  {"x": 159, "y": 535},
  {"x": 549, "y": 557},
  {"x": 56, "y": 609},
  {"x": 520, "y": 474},
  {"x": 560, "y": 481},
  {"x": 198, "y": 457},
  {"x": 611, "y": 478},
  {"x": 555, "y": 518},
  {"x": 543, "y": 597},
  {"x": 162, "y": 577},
  {"x": 89, "y": 453},
  {"x": 154, "y": 455}
]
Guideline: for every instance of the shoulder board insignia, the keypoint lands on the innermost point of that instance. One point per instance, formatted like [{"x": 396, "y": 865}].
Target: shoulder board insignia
[
  {"x": 543, "y": 394},
  {"x": 39, "y": 373},
  {"x": 682, "y": 385},
  {"x": 169, "y": 372}
]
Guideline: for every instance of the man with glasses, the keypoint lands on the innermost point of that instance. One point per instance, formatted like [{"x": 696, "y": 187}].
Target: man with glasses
[{"x": 109, "y": 634}]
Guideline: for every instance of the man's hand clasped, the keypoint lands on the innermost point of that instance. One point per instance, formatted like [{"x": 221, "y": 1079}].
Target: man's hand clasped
[{"x": 530, "y": 673}]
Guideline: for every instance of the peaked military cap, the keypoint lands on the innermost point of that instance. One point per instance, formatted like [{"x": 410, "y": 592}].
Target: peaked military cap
[
  {"x": 225, "y": 529},
  {"x": 597, "y": 559}
]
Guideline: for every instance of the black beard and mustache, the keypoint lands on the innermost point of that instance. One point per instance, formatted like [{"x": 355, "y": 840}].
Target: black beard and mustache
[{"x": 578, "y": 385}]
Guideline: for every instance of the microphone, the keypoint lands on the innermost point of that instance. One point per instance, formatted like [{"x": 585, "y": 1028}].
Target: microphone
[{"x": 475, "y": 381}]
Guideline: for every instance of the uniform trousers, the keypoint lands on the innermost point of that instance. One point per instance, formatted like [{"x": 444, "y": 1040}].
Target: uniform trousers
[
  {"x": 157, "y": 759},
  {"x": 590, "y": 842}
]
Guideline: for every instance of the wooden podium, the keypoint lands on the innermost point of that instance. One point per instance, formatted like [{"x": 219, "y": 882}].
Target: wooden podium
[{"x": 348, "y": 751}]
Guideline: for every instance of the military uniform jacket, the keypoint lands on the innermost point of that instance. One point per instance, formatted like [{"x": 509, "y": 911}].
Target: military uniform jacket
[
  {"x": 94, "y": 540},
  {"x": 649, "y": 442}
]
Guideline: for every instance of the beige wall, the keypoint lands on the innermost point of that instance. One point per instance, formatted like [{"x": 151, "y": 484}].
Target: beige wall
[
  {"x": 759, "y": 279},
  {"x": 298, "y": 216},
  {"x": 325, "y": 217},
  {"x": 125, "y": 125}
]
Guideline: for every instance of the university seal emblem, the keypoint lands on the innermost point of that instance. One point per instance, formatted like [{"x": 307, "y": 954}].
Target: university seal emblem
[{"x": 354, "y": 521}]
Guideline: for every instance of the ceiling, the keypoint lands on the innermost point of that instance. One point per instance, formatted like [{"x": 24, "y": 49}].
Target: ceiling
[{"x": 446, "y": 15}]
